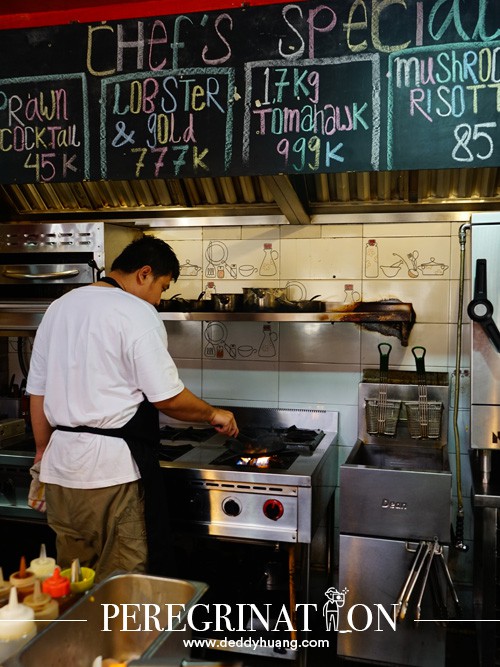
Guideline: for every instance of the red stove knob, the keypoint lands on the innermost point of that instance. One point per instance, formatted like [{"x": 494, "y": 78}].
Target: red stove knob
[
  {"x": 273, "y": 509},
  {"x": 231, "y": 507}
]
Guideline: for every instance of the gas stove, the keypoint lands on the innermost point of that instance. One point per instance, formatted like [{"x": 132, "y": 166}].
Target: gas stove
[
  {"x": 280, "y": 497},
  {"x": 269, "y": 447}
]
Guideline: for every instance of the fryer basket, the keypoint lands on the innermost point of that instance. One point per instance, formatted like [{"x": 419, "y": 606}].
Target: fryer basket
[
  {"x": 381, "y": 417},
  {"x": 416, "y": 424}
]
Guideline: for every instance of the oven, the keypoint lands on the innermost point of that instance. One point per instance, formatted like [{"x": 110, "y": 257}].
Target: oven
[
  {"x": 247, "y": 523},
  {"x": 40, "y": 262}
]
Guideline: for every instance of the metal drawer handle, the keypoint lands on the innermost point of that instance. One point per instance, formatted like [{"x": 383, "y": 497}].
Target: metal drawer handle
[{"x": 34, "y": 276}]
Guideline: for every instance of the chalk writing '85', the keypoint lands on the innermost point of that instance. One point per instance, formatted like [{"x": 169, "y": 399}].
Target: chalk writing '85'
[
  {"x": 309, "y": 151},
  {"x": 464, "y": 134}
]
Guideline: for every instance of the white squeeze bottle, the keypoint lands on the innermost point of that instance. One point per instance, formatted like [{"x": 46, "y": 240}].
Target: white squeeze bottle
[
  {"x": 43, "y": 566},
  {"x": 17, "y": 626}
]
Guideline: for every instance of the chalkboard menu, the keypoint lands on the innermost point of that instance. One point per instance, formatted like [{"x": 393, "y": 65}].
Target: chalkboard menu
[{"x": 310, "y": 87}]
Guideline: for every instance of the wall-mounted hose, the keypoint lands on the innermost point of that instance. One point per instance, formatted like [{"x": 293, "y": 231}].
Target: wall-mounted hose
[{"x": 459, "y": 527}]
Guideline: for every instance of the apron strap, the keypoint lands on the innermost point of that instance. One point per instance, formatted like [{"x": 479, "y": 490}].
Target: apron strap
[
  {"x": 112, "y": 432},
  {"x": 110, "y": 281}
]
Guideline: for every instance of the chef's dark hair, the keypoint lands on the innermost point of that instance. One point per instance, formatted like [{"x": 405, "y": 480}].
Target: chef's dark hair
[{"x": 150, "y": 251}]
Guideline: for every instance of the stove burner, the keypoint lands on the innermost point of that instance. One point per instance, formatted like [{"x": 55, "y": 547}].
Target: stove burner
[
  {"x": 173, "y": 452},
  {"x": 190, "y": 433},
  {"x": 281, "y": 461},
  {"x": 254, "y": 462},
  {"x": 294, "y": 435}
]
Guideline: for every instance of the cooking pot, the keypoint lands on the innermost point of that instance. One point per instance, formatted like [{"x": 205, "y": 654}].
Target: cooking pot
[
  {"x": 301, "y": 306},
  {"x": 226, "y": 302},
  {"x": 262, "y": 298},
  {"x": 177, "y": 304}
]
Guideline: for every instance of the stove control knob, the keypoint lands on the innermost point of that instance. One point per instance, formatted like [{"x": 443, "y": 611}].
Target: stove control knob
[
  {"x": 231, "y": 506},
  {"x": 273, "y": 509}
]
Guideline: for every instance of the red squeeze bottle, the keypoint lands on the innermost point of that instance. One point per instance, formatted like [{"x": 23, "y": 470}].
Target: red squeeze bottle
[{"x": 59, "y": 588}]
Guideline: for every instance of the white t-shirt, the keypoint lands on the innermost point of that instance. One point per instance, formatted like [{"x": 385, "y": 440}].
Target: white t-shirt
[{"x": 96, "y": 352}]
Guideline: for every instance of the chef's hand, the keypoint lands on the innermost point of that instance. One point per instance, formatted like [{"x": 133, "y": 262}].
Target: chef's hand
[{"x": 224, "y": 422}]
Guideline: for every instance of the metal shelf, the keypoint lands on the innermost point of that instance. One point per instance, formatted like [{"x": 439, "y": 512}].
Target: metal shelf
[
  {"x": 388, "y": 317},
  {"x": 391, "y": 318},
  {"x": 284, "y": 317}
]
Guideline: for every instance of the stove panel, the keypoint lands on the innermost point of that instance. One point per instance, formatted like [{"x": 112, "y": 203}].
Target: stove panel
[{"x": 283, "y": 502}]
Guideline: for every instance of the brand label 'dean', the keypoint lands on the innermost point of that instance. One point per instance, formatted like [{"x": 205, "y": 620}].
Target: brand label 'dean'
[{"x": 393, "y": 505}]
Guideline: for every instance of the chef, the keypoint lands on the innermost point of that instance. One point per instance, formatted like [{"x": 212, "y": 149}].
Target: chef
[{"x": 100, "y": 372}]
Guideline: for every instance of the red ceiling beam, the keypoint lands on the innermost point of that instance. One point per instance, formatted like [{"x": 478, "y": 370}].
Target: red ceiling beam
[{"x": 29, "y": 14}]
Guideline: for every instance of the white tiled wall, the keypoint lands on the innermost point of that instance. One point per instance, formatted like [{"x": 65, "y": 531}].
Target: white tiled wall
[{"x": 311, "y": 365}]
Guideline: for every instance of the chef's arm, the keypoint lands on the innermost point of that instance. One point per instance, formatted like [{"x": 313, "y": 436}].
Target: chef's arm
[
  {"x": 42, "y": 430},
  {"x": 185, "y": 406}
]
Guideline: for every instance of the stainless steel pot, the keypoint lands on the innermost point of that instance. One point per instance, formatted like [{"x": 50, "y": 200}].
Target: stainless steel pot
[
  {"x": 226, "y": 302},
  {"x": 302, "y": 306},
  {"x": 178, "y": 304},
  {"x": 262, "y": 298}
]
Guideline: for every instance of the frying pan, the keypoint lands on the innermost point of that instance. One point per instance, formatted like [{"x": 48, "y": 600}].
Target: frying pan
[{"x": 243, "y": 445}]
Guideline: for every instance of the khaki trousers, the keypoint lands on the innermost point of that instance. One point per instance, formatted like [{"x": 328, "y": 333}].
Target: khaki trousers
[{"x": 104, "y": 528}]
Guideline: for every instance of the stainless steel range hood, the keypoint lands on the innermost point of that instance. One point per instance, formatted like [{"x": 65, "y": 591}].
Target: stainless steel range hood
[{"x": 252, "y": 200}]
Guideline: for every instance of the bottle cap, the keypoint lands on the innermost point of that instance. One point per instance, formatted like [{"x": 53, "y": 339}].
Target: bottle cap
[
  {"x": 85, "y": 582},
  {"x": 37, "y": 600},
  {"x": 16, "y": 619},
  {"x": 56, "y": 586},
  {"x": 372, "y": 242},
  {"x": 23, "y": 578},
  {"x": 43, "y": 566}
]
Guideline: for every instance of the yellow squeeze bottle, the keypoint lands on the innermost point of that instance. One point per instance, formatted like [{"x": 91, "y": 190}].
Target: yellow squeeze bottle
[{"x": 44, "y": 606}]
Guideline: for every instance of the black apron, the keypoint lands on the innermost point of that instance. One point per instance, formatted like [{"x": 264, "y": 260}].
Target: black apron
[{"x": 142, "y": 435}]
